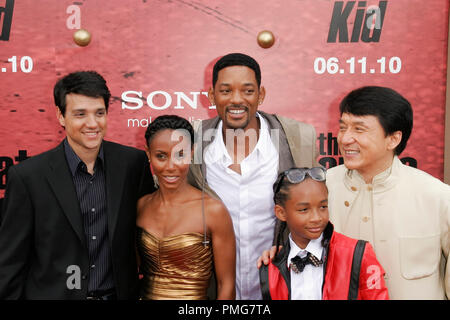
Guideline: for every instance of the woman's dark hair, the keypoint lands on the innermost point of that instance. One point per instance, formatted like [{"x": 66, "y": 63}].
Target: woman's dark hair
[
  {"x": 86, "y": 83},
  {"x": 392, "y": 110},
  {"x": 236, "y": 59},
  {"x": 171, "y": 122}
]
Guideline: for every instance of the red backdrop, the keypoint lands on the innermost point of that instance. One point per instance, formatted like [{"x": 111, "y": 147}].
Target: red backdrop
[{"x": 165, "y": 50}]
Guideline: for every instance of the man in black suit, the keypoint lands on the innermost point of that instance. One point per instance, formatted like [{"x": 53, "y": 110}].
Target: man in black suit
[{"x": 69, "y": 214}]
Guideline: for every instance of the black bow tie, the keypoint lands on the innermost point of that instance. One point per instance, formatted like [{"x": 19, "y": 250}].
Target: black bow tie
[{"x": 298, "y": 264}]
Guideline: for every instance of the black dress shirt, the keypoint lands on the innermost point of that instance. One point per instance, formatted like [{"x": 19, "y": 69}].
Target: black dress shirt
[{"x": 91, "y": 193}]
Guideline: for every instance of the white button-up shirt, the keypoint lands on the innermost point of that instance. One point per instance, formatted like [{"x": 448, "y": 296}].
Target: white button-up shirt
[
  {"x": 306, "y": 285},
  {"x": 249, "y": 199}
]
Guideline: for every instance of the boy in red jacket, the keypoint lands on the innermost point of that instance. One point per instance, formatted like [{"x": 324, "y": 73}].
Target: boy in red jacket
[{"x": 315, "y": 262}]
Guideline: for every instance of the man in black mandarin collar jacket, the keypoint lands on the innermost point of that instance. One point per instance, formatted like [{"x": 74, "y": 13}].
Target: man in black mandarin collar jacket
[{"x": 53, "y": 245}]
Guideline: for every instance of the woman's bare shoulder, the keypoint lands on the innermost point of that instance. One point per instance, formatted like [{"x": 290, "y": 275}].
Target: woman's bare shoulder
[
  {"x": 144, "y": 202},
  {"x": 215, "y": 207}
]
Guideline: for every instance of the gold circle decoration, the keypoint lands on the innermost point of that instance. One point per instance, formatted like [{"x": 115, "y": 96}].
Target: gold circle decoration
[
  {"x": 266, "y": 39},
  {"x": 82, "y": 37}
]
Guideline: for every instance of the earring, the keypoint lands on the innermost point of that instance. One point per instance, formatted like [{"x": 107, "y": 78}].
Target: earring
[{"x": 155, "y": 181}]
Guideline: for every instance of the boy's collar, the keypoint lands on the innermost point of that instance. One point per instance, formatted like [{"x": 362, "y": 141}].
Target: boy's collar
[
  {"x": 314, "y": 247},
  {"x": 281, "y": 257}
]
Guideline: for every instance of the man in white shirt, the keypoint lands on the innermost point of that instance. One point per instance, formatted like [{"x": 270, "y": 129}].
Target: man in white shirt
[{"x": 241, "y": 154}]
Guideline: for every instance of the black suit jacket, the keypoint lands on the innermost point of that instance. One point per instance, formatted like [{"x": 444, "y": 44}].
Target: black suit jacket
[{"x": 42, "y": 241}]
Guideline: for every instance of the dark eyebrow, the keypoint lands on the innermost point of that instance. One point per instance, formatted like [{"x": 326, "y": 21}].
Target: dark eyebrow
[
  {"x": 307, "y": 203},
  {"x": 358, "y": 123},
  {"x": 84, "y": 109}
]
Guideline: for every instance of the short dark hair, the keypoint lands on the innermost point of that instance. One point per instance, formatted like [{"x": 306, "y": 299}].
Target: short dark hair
[
  {"x": 171, "y": 122},
  {"x": 86, "y": 83},
  {"x": 236, "y": 59},
  {"x": 393, "y": 111}
]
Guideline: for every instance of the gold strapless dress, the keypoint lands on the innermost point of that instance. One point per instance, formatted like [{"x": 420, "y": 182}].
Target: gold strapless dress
[{"x": 175, "y": 267}]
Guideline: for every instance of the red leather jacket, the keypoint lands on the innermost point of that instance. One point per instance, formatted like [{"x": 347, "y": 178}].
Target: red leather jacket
[{"x": 275, "y": 278}]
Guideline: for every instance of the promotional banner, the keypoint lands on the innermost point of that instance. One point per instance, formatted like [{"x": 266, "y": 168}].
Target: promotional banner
[{"x": 157, "y": 57}]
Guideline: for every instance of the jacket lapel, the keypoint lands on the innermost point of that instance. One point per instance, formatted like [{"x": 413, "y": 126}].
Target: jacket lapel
[
  {"x": 205, "y": 131},
  {"x": 61, "y": 182},
  {"x": 327, "y": 236},
  {"x": 208, "y": 136},
  {"x": 280, "y": 140},
  {"x": 205, "y": 136},
  {"x": 280, "y": 262},
  {"x": 115, "y": 178}
]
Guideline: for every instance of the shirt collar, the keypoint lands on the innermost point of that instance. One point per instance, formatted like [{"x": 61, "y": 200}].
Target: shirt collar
[
  {"x": 314, "y": 247},
  {"x": 74, "y": 160},
  {"x": 262, "y": 147},
  {"x": 381, "y": 182},
  {"x": 219, "y": 151}
]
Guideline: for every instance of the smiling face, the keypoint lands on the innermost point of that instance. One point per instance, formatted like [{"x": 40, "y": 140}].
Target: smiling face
[
  {"x": 305, "y": 211},
  {"x": 365, "y": 146},
  {"x": 84, "y": 122},
  {"x": 170, "y": 155},
  {"x": 236, "y": 96}
]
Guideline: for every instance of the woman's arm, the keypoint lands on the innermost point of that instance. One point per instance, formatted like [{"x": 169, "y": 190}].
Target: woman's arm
[{"x": 224, "y": 248}]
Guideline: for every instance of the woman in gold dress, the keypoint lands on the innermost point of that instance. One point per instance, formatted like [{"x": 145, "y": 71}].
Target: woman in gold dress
[{"x": 182, "y": 232}]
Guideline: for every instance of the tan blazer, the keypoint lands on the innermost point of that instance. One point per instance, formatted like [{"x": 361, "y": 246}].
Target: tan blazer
[
  {"x": 296, "y": 142},
  {"x": 406, "y": 217}
]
